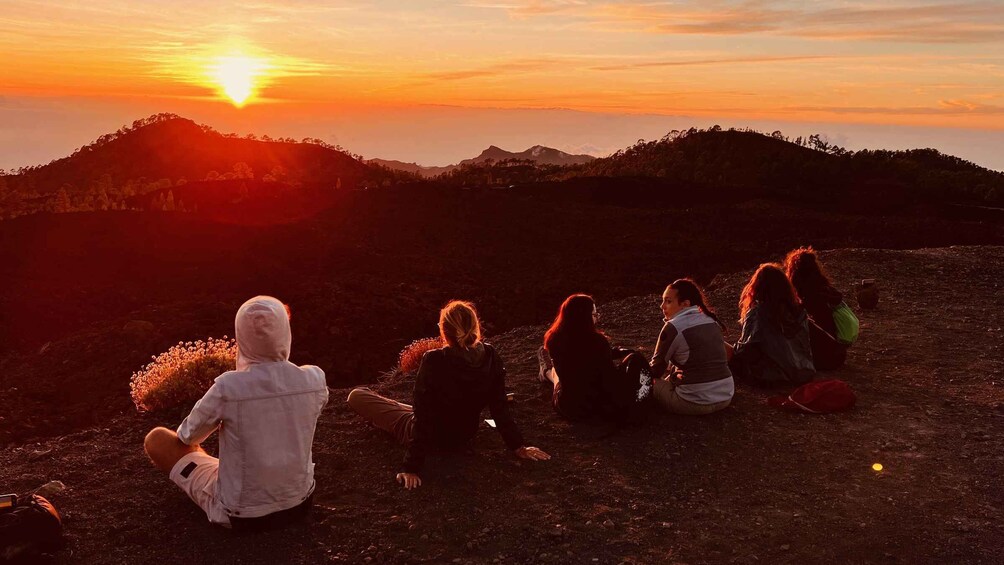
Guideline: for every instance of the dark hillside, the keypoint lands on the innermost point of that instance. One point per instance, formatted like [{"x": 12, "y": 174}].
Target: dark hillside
[
  {"x": 166, "y": 151},
  {"x": 178, "y": 148},
  {"x": 804, "y": 170},
  {"x": 749, "y": 485},
  {"x": 89, "y": 297},
  {"x": 740, "y": 164}
]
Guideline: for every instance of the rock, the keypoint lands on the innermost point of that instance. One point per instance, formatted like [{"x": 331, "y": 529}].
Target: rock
[
  {"x": 608, "y": 523},
  {"x": 50, "y": 489},
  {"x": 785, "y": 547}
]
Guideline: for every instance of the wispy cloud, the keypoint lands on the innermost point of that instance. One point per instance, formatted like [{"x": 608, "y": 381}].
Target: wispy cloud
[
  {"x": 527, "y": 8},
  {"x": 944, "y": 107},
  {"x": 715, "y": 61},
  {"x": 902, "y": 21},
  {"x": 499, "y": 69}
]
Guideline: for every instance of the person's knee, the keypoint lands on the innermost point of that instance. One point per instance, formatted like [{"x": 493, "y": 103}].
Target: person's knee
[
  {"x": 356, "y": 397},
  {"x": 156, "y": 441}
]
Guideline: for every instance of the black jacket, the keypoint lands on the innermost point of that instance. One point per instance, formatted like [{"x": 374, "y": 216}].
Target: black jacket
[
  {"x": 451, "y": 390},
  {"x": 589, "y": 386}
]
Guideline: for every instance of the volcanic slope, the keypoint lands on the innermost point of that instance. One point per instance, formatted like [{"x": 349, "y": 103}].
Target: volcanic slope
[{"x": 748, "y": 485}]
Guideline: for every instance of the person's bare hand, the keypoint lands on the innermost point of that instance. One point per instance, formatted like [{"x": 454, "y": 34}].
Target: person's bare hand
[
  {"x": 532, "y": 454},
  {"x": 409, "y": 480}
]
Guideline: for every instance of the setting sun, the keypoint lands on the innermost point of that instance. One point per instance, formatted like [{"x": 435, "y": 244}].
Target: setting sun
[{"x": 237, "y": 76}]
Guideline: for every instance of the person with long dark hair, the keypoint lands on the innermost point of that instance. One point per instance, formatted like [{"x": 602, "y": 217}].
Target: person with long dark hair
[
  {"x": 453, "y": 386},
  {"x": 773, "y": 348},
  {"x": 590, "y": 378},
  {"x": 819, "y": 298},
  {"x": 690, "y": 367}
]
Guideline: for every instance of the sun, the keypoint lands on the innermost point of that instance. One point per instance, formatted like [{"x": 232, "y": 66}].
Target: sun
[{"x": 238, "y": 76}]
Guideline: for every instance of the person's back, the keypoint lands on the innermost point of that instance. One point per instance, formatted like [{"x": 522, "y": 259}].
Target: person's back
[
  {"x": 267, "y": 410},
  {"x": 586, "y": 368},
  {"x": 268, "y": 414},
  {"x": 453, "y": 385},
  {"x": 774, "y": 348},
  {"x": 819, "y": 298},
  {"x": 827, "y": 351},
  {"x": 452, "y": 388}
]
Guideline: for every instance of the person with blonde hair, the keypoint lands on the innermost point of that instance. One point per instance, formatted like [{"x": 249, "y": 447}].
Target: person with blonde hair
[
  {"x": 453, "y": 386},
  {"x": 265, "y": 412}
]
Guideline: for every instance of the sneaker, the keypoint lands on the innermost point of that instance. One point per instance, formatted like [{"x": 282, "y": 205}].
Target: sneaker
[{"x": 544, "y": 358}]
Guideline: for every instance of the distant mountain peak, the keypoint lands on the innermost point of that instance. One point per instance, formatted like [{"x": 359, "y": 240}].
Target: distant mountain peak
[{"x": 538, "y": 153}]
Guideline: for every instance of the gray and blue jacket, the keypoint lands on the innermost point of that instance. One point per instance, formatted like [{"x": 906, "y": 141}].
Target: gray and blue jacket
[{"x": 691, "y": 344}]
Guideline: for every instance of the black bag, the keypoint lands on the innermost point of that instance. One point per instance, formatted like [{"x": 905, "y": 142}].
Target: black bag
[{"x": 29, "y": 529}]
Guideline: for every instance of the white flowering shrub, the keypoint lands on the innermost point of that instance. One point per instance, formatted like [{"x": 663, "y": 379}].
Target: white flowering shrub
[{"x": 182, "y": 374}]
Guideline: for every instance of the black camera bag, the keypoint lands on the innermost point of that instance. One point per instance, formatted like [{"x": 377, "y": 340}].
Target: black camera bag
[{"x": 30, "y": 529}]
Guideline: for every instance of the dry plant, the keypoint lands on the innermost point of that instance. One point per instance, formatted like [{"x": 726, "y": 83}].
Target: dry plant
[
  {"x": 411, "y": 355},
  {"x": 182, "y": 374}
]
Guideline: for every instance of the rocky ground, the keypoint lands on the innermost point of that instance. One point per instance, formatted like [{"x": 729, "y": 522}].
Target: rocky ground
[{"x": 748, "y": 485}]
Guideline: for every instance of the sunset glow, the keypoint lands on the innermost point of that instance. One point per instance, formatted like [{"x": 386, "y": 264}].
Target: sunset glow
[
  {"x": 895, "y": 63},
  {"x": 237, "y": 76}
]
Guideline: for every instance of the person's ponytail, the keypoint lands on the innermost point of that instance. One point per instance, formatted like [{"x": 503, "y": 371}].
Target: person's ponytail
[
  {"x": 459, "y": 325},
  {"x": 687, "y": 289}
]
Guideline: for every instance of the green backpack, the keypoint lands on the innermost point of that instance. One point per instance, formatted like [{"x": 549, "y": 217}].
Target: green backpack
[{"x": 847, "y": 324}]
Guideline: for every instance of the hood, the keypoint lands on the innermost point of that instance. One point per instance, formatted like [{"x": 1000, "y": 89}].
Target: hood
[
  {"x": 262, "y": 330},
  {"x": 469, "y": 364}
]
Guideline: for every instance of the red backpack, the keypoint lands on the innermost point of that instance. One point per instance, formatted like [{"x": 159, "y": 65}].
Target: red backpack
[{"x": 818, "y": 397}]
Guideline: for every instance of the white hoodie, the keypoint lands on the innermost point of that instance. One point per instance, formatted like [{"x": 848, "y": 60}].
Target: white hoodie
[{"x": 266, "y": 411}]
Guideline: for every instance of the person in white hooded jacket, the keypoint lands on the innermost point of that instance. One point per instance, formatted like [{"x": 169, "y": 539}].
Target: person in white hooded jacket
[{"x": 266, "y": 412}]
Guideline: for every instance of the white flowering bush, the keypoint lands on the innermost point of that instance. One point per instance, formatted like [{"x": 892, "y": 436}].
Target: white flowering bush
[{"x": 182, "y": 374}]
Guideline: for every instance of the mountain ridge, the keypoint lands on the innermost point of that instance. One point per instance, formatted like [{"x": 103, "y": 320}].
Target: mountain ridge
[{"x": 538, "y": 154}]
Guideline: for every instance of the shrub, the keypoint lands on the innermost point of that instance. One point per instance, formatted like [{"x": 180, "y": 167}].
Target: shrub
[
  {"x": 182, "y": 374},
  {"x": 411, "y": 355}
]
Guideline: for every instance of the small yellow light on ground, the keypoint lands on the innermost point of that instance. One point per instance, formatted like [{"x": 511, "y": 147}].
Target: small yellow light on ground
[{"x": 877, "y": 467}]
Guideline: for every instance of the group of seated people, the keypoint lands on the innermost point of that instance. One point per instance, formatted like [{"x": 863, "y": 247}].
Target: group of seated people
[{"x": 267, "y": 409}]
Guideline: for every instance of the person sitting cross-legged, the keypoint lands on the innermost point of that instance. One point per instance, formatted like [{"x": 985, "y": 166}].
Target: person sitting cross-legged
[
  {"x": 691, "y": 353},
  {"x": 590, "y": 380},
  {"x": 266, "y": 412}
]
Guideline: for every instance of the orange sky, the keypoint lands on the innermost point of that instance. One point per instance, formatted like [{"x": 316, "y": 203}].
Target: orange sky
[{"x": 906, "y": 63}]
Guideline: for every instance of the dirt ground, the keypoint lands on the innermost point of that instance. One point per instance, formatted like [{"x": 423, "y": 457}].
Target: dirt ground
[{"x": 748, "y": 485}]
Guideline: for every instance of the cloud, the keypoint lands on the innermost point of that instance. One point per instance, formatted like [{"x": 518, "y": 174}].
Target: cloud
[
  {"x": 500, "y": 69},
  {"x": 529, "y": 8},
  {"x": 944, "y": 107},
  {"x": 714, "y": 61},
  {"x": 910, "y": 22}
]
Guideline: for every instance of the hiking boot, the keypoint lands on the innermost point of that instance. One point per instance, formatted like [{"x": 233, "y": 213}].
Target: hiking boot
[{"x": 544, "y": 359}]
